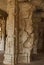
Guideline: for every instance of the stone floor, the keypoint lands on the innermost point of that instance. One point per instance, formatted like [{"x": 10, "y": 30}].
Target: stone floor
[{"x": 36, "y": 59}]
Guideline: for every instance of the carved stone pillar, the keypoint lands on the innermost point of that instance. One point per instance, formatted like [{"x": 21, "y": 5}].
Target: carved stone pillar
[
  {"x": 26, "y": 34},
  {"x": 9, "y": 48}
]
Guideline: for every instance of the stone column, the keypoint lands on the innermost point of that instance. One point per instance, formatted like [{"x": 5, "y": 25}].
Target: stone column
[
  {"x": 26, "y": 34},
  {"x": 9, "y": 47}
]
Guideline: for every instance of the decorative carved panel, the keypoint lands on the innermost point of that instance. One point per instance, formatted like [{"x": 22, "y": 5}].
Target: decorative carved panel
[{"x": 25, "y": 32}]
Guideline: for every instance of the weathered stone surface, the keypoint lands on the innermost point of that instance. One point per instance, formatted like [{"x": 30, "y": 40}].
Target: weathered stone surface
[
  {"x": 3, "y": 5},
  {"x": 9, "y": 49},
  {"x": 28, "y": 30},
  {"x": 25, "y": 32}
]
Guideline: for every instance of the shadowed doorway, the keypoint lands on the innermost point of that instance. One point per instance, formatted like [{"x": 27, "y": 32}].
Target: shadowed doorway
[
  {"x": 38, "y": 29},
  {"x": 3, "y": 17}
]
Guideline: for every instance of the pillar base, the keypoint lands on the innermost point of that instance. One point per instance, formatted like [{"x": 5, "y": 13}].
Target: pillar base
[{"x": 7, "y": 59}]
